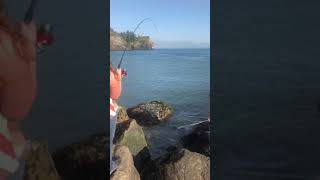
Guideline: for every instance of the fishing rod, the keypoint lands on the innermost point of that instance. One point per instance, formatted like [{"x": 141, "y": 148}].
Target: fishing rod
[
  {"x": 125, "y": 49},
  {"x": 30, "y": 12},
  {"x": 42, "y": 38}
]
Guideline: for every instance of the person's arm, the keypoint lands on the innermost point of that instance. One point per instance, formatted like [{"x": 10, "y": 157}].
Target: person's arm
[{"x": 115, "y": 84}]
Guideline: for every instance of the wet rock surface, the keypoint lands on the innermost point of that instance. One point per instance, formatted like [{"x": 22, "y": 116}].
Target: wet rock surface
[
  {"x": 150, "y": 113},
  {"x": 199, "y": 139}
]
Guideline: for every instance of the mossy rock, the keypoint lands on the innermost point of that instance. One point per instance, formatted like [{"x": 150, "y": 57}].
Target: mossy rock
[{"x": 130, "y": 134}]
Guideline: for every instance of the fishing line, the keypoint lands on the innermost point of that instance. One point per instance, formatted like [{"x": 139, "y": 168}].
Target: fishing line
[
  {"x": 119, "y": 65},
  {"x": 193, "y": 124},
  {"x": 30, "y": 12}
]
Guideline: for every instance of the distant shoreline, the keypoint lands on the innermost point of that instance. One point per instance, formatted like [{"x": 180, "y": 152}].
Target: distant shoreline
[{"x": 159, "y": 49}]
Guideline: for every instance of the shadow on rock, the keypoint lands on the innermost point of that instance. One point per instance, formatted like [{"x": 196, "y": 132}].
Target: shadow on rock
[
  {"x": 199, "y": 139},
  {"x": 85, "y": 160}
]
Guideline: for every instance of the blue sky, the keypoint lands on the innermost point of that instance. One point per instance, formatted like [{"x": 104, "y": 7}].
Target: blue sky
[{"x": 179, "y": 23}]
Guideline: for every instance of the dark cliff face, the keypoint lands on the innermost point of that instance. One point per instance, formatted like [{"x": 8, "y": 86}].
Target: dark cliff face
[{"x": 118, "y": 43}]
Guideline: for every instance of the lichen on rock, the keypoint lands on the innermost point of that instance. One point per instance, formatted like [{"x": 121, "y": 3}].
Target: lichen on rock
[
  {"x": 150, "y": 113},
  {"x": 130, "y": 134}
]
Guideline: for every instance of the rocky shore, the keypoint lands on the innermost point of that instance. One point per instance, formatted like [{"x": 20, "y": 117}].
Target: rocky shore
[{"x": 89, "y": 158}]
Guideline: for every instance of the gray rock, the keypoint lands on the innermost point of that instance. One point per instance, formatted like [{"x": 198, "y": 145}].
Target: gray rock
[
  {"x": 131, "y": 135},
  {"x": 150, "y": 113},
  {"x": 38, "y": 162},
  {"x": 126, "y": 169},
  {"x": 179, "y": 165}
]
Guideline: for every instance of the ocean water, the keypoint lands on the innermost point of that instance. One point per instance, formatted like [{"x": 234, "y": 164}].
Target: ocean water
[
  {"x": 180, "y": 77},
  {"x": 266, "y": 70}
]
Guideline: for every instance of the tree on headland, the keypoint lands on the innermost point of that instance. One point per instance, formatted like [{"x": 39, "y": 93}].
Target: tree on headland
[{"x": 128, "y": 36}]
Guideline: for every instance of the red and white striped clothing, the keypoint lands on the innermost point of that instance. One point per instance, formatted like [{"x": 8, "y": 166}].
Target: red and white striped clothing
[
  {"x": 113, "y": 108},
  {"x": 8, "y": 152}
]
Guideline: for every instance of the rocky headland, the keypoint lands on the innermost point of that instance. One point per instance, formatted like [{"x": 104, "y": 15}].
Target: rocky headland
[{"x": 130, "y": 41}]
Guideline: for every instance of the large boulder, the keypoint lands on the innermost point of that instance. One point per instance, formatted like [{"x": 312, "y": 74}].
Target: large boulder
[
  {"x": 150, "y": 113},
  {"x": 85, "y": 160},
  {"x": 181, "y": 165},
  {"x": 131, "y": 135},
  {"x": 199, "y": 139},
  {"x": 38, "y": 162},
  {"x": 126, "y": 169}
]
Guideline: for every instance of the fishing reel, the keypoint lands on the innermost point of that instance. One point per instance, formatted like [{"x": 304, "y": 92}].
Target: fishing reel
[
  {"x": 124, "y": 73},
  {"x": 44, "y": 37}
]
